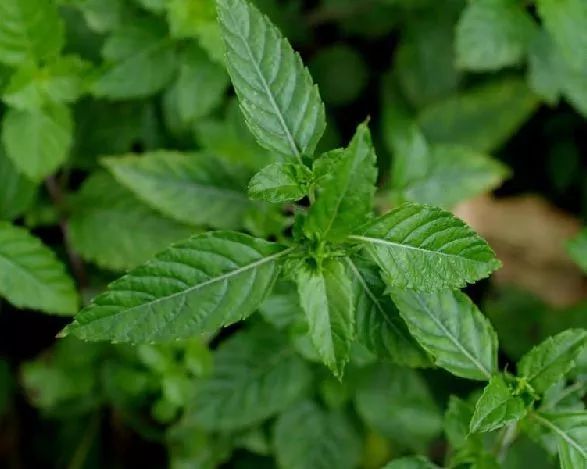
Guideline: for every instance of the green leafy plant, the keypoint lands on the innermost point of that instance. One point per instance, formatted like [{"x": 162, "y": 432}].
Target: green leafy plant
[{"x": 272, "y": 293}]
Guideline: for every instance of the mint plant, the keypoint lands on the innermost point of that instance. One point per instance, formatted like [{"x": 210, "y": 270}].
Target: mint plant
[{"x": 276, "y": 296}]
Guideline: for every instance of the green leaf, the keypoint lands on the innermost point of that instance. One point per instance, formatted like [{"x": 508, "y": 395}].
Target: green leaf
[
  {"x": 196, "y": 189},
  {"x": 30, "y": 30},
  {"x": 496, "y": 407},
  {"x": 566, "y": 21},
  {"x": 544, "y": 68},
  {"x": 16, "y": 191},
  {"x": 457, "y": 420},
  {"x": 346, "y": 187},
  {"x": 577, "y": 249},
  {"x": 282, "y": 308},
  {"x": 426, "y": 248},
  {"x": 570, "y": 429},
  {"x": 200, "y": 85},
  {"x": 398, "y": 404},
  {"x": 326, "y": 298},
  {"x": 450, "y": 327},
  {"x": 62, "y": 81},
  {"x": 109, "y": 226},
  {"x": 38, "y": 142},
  {"x": 482, "y": 118},
  {"x": 425, "y": 58},
  {"x": 281, "y": 182},
  {"x": 309, "y": 437},
  {"x": 196, "y": 19},
  {"x": 281, "y": 105},
  {"x": 492, "y": 34},
  {"x": 340, "y": 72},
  {"x": 140, "y": 61},
  {"x": 452, "y": 173},
  {"x": 256, "y": 375},
  {"x": 546, "y": 363},
  {"x": 378, "y": 324},
  {"x": 196, "y": 286},
  {"x": 31, "y": 276},
  {"x": 410, "y": 462}
]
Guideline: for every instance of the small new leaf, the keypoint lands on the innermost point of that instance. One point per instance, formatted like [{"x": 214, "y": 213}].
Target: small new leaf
[
  {"x": 346, "y": 187},
  {"x": 426, "y": 248},
  {"x": 196, "y": 286},
  {"x": 496, "y": 407},
  {"x": 281, "y": 105},
  {"x": 546, "y": 363},
  {"x": 326, "y": 298},
  {"x": 281, "y": 182},
  {"x": 450, "y": 327},
  {"x": 31, "y": 276}
]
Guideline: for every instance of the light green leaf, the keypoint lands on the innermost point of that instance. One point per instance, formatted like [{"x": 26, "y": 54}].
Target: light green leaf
[
  {"x": 31, "y": 276},
  {"x": 496, "y": 407},
  {"x": 566, "y": 21},
  {"x": 61, "y": 81},
  {"x": 492, "y": 34},
  {"x": 256, "y": 375},
  {"x": 410, "y": 462},
  {"x": 397, "y": 403},
  {"x": 426, "y": 248},
  {"x": 281, "y": 105},
  {"x": 200, "y": 85},
  {"x": 482, "y": 118},
  {"x": 16, "y": 191},
  {"x": 326, "y": 298},
  {"x": 544, "y": 65},
  {"x": 452, "y": 173},
  {"x": 196, "y": 286},
  {"x": 282, "y": 307},
  {"x": 38, "y": 142},
  {"x": 577, "y": 249},
  {"x": 196, "y": 19},
  {"x": 109, "y": 226},
  {"x": 451, "y": 328},
  {"x": 378, "y": 324},
  {"x": 281, "y": 182},
  {"x": 140, "y": 61},
  {"x": 30, "y": 30},
  {"x": 570, "y": 429},
  {"x": 346, "y": 187},
  {"x": 546, "y": 363},
  {"x": 196, "y": 189},
  {"x": 309, "y": 437},
  {"x": 457, "y": 420}
]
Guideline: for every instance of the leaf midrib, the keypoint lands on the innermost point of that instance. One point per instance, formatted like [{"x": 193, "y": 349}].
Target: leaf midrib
[
  {"x": 386, "y": 242},
  {"x": 209, "y": 281},
  {"x": 547, "y": 423}
]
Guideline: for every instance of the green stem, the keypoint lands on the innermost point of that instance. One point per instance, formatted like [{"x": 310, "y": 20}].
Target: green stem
[{"x": 507, "y": 437}]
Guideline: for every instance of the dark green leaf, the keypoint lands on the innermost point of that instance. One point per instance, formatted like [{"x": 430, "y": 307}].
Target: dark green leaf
[
  {"x": 309, "y": 437},
  {"x": 255, "y": 376}
]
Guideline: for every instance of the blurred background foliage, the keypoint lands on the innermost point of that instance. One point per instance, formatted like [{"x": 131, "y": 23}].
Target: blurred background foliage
[{"x": 463, "y": 98}]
